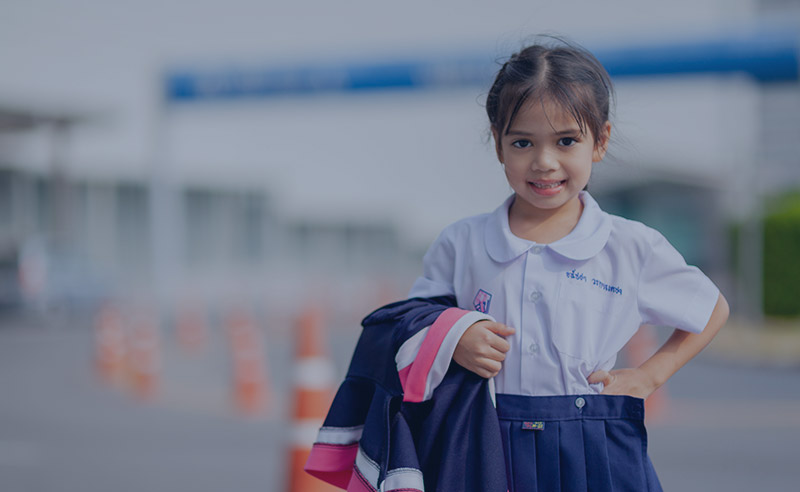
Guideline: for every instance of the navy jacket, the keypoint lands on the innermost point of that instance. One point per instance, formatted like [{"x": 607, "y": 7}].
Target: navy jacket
[{"x": 373, "y": 440}]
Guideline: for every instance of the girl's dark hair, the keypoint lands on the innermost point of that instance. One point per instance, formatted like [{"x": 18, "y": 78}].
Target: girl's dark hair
[{"x": 566, "y": 73}]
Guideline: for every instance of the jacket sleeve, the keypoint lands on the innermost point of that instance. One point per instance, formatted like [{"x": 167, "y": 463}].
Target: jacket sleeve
[{"x": 422, "y": 359}]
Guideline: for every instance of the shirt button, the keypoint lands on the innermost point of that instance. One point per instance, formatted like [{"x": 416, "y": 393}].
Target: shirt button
[
  {"x": 535, "y": 296},
  {"x": 537, "y": 250},
  {"x": 533, "y": 348},
  {"x": 580, "y": 402}
]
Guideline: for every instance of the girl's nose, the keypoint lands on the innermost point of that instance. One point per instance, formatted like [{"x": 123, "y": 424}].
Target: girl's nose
[{"x": 544, "y": 161}]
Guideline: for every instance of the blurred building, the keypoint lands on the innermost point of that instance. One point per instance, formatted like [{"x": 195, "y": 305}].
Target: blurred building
[{"x": 346, "y": 164}]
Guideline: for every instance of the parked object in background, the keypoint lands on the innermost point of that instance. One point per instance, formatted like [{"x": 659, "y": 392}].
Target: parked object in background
[{"x": 48, "y": 279}]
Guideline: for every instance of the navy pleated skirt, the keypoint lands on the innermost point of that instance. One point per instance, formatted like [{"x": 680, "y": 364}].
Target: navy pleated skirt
[{"x": 589, "y": 443}]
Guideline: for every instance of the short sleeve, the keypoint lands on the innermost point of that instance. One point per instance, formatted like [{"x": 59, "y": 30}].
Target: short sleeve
[
  {"x": 672, "y": 293},
  {"x": 438, "y": 269}
]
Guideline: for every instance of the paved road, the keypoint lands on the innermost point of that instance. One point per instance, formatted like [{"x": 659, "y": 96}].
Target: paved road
[
  {"x": 729, "y": 428},
  {"x": 726, "y": 428}
]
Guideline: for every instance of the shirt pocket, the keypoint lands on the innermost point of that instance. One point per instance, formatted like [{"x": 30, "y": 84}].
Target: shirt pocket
[{"x": 584, "y": 321}]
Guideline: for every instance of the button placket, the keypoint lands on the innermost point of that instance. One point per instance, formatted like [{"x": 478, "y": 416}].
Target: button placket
[{"x": 532, "y": 295}]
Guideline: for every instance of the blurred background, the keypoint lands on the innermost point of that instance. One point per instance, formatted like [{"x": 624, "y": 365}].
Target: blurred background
[{"x": 191, "y": 191}]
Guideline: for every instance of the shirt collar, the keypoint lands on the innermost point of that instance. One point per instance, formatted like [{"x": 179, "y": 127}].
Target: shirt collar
[{"x": 587, "y": 239}]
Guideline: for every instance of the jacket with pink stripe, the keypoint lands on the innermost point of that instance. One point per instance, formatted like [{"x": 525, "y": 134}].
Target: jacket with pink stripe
[{"x": 383, "y": 433}]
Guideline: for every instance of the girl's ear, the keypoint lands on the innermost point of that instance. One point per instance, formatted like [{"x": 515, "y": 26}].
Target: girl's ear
[
  {"x": 497, "y": 147},
  {"x": 601, "y": 143}
]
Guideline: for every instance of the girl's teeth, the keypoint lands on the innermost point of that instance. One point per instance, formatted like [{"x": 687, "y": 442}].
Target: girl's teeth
[{"x": 547, "y": 185}]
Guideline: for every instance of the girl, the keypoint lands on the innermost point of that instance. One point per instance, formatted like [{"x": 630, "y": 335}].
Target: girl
[
  {"x": 565, "y": 286},
  {"x": 538, "y": 297}
]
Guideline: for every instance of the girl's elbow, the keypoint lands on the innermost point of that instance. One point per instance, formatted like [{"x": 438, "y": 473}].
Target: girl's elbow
[
  {"x": 720, "y": 314},
  {"x": 724, "y": 308}
]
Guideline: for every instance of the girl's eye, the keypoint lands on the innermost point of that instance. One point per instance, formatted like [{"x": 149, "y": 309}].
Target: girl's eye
[
  {"x": 567, "y": 141},
  {"x": 521, "y": 144}
]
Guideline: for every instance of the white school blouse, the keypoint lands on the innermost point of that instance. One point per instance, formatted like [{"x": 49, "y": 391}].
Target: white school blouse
[{"x": 574, "y": 303}]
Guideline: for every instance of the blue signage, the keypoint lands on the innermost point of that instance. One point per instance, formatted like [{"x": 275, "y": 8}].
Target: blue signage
[{"x": 767, "y": 55}]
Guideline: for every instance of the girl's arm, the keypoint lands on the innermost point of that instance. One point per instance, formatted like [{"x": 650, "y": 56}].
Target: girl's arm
[{"x": 679, "y": 349}]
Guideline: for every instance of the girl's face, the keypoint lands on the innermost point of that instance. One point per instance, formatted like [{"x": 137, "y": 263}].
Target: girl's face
[{"x": 547, "y": 159}]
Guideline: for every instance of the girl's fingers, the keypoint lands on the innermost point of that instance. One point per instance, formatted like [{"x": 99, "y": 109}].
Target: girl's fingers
[
  {"x": 499, "y": 344},
  {"x": 490, "y": 368},
  {"x": 500, "y": 329},
  {"x": 492, "y": 353},
  {"x": 485, "y": 368},
  {"x": 600, "y": 377},
  {"x": 496, "y": 336}
]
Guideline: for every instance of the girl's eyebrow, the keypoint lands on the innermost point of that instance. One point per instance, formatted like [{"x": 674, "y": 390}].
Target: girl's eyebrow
[{"x": 569, "y": 131}]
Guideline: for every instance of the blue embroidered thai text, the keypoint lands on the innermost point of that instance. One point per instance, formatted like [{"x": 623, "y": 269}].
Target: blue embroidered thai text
[
  {"x": 606, "y": 287},
  {"x": 575, "y": 275}
]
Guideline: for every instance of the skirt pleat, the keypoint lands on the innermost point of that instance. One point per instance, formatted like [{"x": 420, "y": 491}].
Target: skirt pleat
[
  {"x": 598, "y": 474},
  {"x": 525, "y": 471},
  {"x": 594, "y": 443},
  {"x": 573, "y": 464},
  {"x": 548, "y": 460},
  {"x": 628, "y": 447}
]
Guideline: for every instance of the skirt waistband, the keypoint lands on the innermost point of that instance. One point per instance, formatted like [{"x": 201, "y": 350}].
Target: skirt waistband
[{"x": 571, "y": 407}]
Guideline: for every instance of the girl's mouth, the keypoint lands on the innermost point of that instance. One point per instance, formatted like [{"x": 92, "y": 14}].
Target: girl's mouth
[{"x": 547, "y": 188}]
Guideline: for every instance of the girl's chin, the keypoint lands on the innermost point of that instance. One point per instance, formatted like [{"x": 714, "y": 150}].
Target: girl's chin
[{"x": 557, "y": 201}]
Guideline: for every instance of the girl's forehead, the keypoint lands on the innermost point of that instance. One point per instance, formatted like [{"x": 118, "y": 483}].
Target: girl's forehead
[{"x": 544, "y": 114}]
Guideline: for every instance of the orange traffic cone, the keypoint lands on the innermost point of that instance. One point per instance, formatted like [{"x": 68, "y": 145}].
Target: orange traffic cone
[
  {"x": 191, "y": 328},
  {"x": 144, "y": 356},
  {"x": 313, "y": 393},
  {"x": 639, "y": 348},
  {"x": 250, "y": 388},
  {"x": 109, "y": 341}
]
